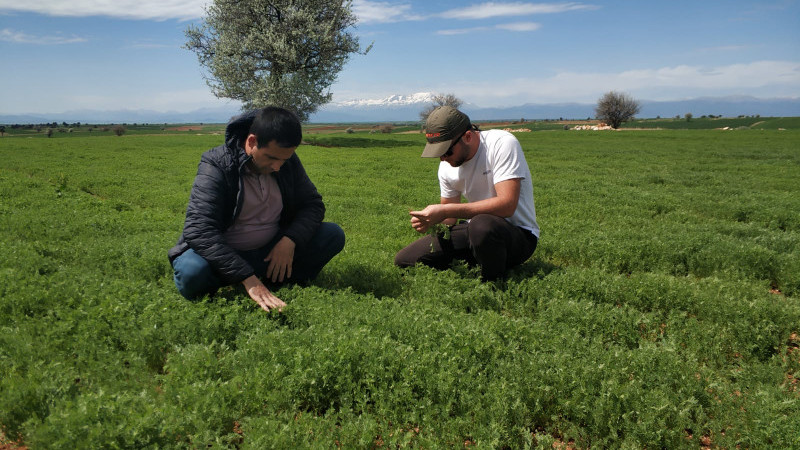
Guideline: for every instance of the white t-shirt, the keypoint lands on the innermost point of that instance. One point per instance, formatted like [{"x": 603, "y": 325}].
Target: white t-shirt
[{"x": 499, "y": 158}]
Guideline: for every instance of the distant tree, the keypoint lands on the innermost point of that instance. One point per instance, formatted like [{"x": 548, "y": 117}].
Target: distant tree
[
  {"x": 614, "y": 108},
  {"x": 119, "y": 130},
  {"x": 440, "y": 100},
  {"x": 275, "y": 52},
  {"x": 688, "y": 117},
  {"x": 49, "y": 132},
  {"x": 2, "y": 131}
]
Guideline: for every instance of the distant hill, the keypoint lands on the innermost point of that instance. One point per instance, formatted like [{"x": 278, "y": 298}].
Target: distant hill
[
  {"x": 405, "y": 108},
  {"x": 203, "y": 115},
  {"x": 393, "y": 111}
]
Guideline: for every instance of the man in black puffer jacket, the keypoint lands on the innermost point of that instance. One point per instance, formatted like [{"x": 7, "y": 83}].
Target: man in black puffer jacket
[{"x": 254, "y": 216}]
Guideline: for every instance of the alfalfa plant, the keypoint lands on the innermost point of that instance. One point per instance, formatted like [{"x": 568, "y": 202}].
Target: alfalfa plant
[{"x": 438, "y": 231}]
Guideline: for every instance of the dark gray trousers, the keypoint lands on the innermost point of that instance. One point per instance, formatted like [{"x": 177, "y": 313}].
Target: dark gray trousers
[{"x": 488, "y": 241}]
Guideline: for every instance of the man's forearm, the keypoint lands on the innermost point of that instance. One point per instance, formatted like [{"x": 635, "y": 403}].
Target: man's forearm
[{"x": 495, "y": 206}]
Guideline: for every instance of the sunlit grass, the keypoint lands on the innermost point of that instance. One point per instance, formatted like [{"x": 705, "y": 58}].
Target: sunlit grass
[{"x": 660, "y": 309}]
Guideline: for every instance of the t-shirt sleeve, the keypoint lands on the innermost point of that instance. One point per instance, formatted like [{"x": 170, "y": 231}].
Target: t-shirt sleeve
[
  {"x": 446, "y": 188},
  {"x": 508, "y": 160}
]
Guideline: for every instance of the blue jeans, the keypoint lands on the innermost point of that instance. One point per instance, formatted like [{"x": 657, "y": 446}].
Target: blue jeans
[{"x": 195, "y": 278}]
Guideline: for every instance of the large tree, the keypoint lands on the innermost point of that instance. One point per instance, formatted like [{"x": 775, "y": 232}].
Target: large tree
[
  {"x": 274, "y": 52},
  {"x": 614, "y": 108}
]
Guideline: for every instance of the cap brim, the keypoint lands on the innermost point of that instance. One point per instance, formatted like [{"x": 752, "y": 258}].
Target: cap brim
[{"x": 436, "y": 149}]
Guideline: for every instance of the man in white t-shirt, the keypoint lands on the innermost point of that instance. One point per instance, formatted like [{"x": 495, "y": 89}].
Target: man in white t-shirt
[{"x": 488, "y": 169}]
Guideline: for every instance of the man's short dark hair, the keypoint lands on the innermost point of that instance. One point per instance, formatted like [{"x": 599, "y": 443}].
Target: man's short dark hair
[{"x": 277, "y": 124}]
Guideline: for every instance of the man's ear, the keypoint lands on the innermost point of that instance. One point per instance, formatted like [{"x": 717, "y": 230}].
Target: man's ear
[
  {"x": 470, "y": 134},
  {"x": 250, "y": 144}
]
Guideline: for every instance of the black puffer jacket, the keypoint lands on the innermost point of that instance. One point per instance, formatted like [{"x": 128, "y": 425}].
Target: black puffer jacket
[{"x": 216, "y": 200}]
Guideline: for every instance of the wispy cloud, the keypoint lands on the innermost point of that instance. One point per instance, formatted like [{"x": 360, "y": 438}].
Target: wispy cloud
[
  {"x": 126, "y": 9},
  {"x": 19, "y": 37},
  {"x": 457, "y": 31},
  {"x": 517, "y": 26},
  {"x": 386, "y": 11},
  {"x": 493, "y": 9},
  {"x": 763, "y": 78},
  {"x": 520, "y": 26},
  {"x": 382, "y": 12},
  {"x": 367, "y": 11}
]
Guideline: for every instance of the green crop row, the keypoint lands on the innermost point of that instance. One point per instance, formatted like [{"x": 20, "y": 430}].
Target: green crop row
[{"x": 660, "y": 309}]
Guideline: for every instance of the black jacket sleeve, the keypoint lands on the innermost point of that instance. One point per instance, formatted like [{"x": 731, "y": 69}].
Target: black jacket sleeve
[{"x": 210, "y": 210}]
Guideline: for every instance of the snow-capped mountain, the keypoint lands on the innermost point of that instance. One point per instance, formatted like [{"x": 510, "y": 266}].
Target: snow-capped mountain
[
  {"x": 406, "y": 108},
  {"x": 419, "y": 98},
  {"x": 395, "y": 108}
]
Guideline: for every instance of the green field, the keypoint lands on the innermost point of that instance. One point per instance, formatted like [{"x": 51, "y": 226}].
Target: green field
[{"x": 661, "y": 309}]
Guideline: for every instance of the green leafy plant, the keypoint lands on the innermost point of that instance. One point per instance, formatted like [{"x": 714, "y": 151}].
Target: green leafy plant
[{"x": 438, "y": 231}]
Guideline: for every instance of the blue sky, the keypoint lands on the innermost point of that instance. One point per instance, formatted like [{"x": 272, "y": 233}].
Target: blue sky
[{"x": 60, "y": 56}]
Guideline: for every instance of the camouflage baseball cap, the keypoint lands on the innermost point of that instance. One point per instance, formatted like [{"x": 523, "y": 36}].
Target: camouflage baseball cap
[{"x": 444, "y": 125}]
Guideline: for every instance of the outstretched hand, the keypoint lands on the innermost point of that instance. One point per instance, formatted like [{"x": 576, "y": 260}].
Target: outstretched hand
[{"x": 261, "y": 295}]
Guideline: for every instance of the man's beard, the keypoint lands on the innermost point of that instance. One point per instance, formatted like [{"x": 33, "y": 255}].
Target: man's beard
[{"x": 459, "y": 161}]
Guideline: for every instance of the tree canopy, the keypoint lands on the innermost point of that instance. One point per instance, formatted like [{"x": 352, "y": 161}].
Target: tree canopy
[
  {"x": 439, "y": 100},
  {"x": 614, "y": 108},
  {"x": 275, "y": 52}
]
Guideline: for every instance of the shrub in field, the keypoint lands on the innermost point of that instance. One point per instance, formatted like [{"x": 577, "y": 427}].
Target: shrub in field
[{"x": 614, "y": 108}]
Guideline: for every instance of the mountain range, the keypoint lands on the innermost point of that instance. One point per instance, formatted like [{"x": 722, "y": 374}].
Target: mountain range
[
  {"x": 399, "y": 108},
  {"x": 406, "y": 108}
]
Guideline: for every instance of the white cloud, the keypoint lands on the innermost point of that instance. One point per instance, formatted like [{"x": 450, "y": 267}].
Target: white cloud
[
  {"x": 367, "y": 11},
  {"x": 492, "y": 9},
  {"x": 19, "y": 37},
  {"x": 126, "y": 9},
  {"x": 458, "y": 31},
  {"x": 764, "y": 79},
  {"x": 382, "y": 12},
  {"x": 520, "y": 26}
]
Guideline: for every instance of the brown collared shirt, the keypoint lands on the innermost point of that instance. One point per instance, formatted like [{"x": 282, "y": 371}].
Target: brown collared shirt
[{"x": 257, "y": 224}]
